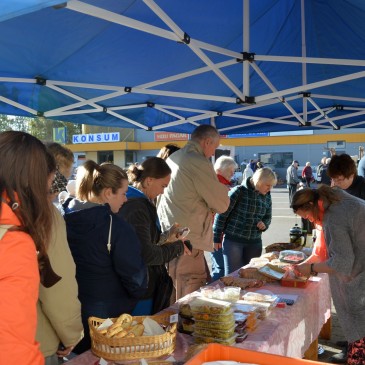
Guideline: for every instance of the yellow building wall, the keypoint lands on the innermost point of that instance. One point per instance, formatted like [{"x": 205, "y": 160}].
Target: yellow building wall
[{"x": 256, "y": 141}]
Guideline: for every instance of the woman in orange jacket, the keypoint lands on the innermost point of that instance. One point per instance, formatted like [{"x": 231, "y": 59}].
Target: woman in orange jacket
[{"x": 25, "y": 218}]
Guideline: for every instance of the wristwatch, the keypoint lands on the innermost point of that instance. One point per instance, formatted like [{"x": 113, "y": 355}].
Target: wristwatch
[{"x": 313, "y": 272}]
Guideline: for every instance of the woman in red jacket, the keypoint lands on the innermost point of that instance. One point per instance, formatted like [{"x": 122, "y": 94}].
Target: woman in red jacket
[{"x": 25, "y": 221}]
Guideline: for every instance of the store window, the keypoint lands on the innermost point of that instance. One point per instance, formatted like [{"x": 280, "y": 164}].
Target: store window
[
  {"x": 105, "y": 156},
  {"x": 276, "y": 159},
  {"x": 130, "y": 158}
]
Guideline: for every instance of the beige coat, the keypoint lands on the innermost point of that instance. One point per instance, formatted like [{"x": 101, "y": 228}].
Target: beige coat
[
  {"x": 58, "y": 308},
  {"x": 193, "y": 195}
]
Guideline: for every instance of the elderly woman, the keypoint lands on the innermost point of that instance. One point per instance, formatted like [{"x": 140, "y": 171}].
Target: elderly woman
[
  {"x": 248, "y": 215},
  {"x": 224, "y": 167},
  {"x": 341, "y": 217},
  {"x": 307, "y": 174}
]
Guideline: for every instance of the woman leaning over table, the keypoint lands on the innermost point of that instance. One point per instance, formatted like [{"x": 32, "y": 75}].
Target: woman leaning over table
[
  {"x": 110, "y": 271},
  {"x": 342, "y": 218},
  {"x": 149, "y": 181},
  {"x": 248, "y": 215},
  {"x": 24, "y": 208}
]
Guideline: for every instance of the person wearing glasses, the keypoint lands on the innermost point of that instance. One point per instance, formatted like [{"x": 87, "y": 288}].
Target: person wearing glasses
[
  {"x": 343, "y": 173},
  {"x": 340, "y": 216}
]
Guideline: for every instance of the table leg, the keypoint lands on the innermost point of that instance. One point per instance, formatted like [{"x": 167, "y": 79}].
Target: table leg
[
  {"x": 312, "y": 352},
  {"x": 326, "y": 330}
]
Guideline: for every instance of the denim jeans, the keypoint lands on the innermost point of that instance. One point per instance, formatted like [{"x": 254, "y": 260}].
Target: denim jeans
[
  {"x": 238, "y": 254},
  {"x": 217, "y": 264}
]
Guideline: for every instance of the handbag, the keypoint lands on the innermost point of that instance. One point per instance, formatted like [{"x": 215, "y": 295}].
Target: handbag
[{"x": 163, "y": 291}]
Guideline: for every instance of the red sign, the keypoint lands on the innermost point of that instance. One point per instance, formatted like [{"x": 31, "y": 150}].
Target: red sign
[{"x": 169, "y": 136}]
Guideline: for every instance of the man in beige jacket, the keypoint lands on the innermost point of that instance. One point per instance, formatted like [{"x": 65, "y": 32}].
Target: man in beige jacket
[{"x": 191, "y": 198}]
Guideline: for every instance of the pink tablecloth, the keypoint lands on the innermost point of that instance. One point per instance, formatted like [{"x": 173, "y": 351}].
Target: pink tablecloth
[{"x": 288, "y": 331}]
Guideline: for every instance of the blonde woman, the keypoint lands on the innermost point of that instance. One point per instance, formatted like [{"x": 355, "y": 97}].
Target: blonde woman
[
  {"x": 110, "y": 272},
  {"x": 248, "y": 215}
]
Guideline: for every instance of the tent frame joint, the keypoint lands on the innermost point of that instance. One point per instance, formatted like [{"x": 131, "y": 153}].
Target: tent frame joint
[
  {"x": 128, "y": 89},
  {"x": 40, "y": 114},
  {"x": 186, "y": 38},
  {"x": 40, "y": 81},
  {"x": 246, "y": 56},
  {"x": 339, "y": 107},
  {"x": 305, "y": 94},
  {"x": 219, "y": 114},
  {"x": 150, "y": 105},
  {"x": 149, "y": 129},
  {"x": 105, "y": 109},
  {"x": 306, "y": 124}
]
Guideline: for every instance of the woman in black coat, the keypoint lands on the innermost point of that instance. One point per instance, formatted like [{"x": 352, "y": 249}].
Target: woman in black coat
[{"x": 149, "y": 181}]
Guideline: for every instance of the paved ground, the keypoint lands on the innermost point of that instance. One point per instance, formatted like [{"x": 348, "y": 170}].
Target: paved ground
[{"x": 283, "y": 220}]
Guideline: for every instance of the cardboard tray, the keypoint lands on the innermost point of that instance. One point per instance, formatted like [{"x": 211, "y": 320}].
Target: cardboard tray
[
  {"x": 273, "y": 272},
  {"x": 215, "y": 352}
]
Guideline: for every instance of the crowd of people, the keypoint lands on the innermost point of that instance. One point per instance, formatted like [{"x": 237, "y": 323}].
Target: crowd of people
[{"x": 116, "y": 243}]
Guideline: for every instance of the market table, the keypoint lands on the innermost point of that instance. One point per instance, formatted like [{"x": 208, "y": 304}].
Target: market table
[{"x": 288, "y": 331}]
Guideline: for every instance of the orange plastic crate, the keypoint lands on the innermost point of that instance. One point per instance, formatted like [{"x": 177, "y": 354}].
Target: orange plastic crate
[{"x": 215, "y": 352}]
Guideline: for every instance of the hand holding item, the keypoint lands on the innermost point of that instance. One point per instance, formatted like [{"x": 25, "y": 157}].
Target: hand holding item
[
  {"x": 188, "y": 247},
  {"x": 217, "y": 246},
  {"x": 65, "y": 351},
  {"x": 302, "y": 269},
  {"x": 261, "y": 226}
]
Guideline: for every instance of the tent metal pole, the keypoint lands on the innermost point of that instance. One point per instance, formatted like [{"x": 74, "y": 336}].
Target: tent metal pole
[
  {"x": 314, "y": 85},
  {"x": 116, "y": 115},
  {"x": 320, "y": 115},
  {"x": 246, "y": 46},
  {"x": 274, "y": 89},
  {"x": 18, "y": 105},
  {"x": 322, "y": 112},
  {"x": 128, "y": 107},
  {"x": 320, "y": 61},
  {"x": 168, "y": 112},
  {"x": 183, "y": 109},
  {"x": 320, "y": 96},
  {"x": 176, "y": 94},
  {"x": 304, "y": 54},
  {"x": 179, "y": 32},
  {"x": 173, "y": 124},
  {"x": 109, "y": 16}
]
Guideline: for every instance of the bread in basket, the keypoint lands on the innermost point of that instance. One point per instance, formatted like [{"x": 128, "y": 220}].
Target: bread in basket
[{"x": 130, "y": 348}]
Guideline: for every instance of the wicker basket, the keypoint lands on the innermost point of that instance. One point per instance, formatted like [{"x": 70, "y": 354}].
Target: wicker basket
[{"x": 133, "y": 347}]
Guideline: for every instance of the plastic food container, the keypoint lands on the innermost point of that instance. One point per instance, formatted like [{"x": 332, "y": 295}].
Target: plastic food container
[
  {"x": 232, "y": 293},
  {"x": 258, "y": 297},
  {"x": 291, "y": 256},
  {"x": 208, "y": 332},
  {"x": 210, "y": 306},
  {"x": 222, "y": 325},
  {"x": 203, "y": 316},
  {"x": 273, "y": 272}
]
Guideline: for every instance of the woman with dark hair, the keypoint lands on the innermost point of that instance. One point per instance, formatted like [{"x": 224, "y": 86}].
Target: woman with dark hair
[
  {"x": 110, "y": 271},
  {"x": 343, "y": 173},
  {"x": 25, "y": 221},
  {"x": 341, "y": 218},
  {"x": 149, "y": 181}
]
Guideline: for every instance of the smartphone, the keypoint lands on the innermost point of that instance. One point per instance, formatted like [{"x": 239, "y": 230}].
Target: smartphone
[
  {"x": 188, "y": 245},
  {"x": 182, "y": 233}
]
